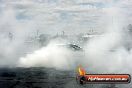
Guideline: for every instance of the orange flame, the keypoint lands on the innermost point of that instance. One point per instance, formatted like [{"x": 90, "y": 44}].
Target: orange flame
[{"x": 81, "y": 71}]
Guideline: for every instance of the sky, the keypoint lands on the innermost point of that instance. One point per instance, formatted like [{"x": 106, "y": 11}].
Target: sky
[{"x": 52, "y": 16}]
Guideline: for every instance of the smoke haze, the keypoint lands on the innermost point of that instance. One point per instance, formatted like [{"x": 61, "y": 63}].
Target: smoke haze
[{"x": 106, "y": 52}]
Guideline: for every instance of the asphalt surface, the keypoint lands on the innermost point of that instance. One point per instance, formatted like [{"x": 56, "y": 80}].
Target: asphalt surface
[{"x": 36, "y": 78}]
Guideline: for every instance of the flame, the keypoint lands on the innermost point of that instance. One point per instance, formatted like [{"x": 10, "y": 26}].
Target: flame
[{"x": 81, "y": 71}]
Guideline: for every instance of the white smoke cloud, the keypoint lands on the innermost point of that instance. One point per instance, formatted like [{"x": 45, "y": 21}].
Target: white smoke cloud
[
  {"x": 52, "y": 56},
  {"x": 107, "y": 53}
]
